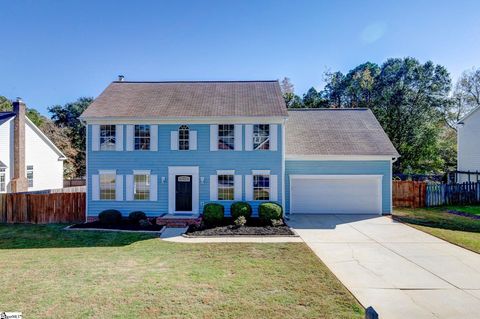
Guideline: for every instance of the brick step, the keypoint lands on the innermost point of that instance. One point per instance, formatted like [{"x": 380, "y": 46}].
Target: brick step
[{"x": 177, "y": 222}]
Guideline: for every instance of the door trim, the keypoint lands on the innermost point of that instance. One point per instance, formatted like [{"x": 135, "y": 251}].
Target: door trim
[
  {"x": 378, "y": 178},
  {"x": 183, "y": 170}
]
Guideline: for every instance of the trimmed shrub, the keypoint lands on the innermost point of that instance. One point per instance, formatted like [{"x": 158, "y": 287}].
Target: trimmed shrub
[
  {"x": 144, "y": 223},
  {"x": 137, "y": 216},
  {"x": 240, "y": 221},
  {"x": 269, "y": 211},
  {"x": 241, "y": 209},
  {"x": 213, "y": 213},
  {"x": 110, "y": 217}
]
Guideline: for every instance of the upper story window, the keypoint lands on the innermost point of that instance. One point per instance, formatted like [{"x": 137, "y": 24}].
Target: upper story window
[
  {"x": 107, "y": 137},
  {"x": 2, "y": 180},
  {"x": 30, "y": 175},
  {"x": 141, "y": 187},
  {"x": 261, "y": 187},
  {"x": 226, "y": 137},
  {"x": 226, "y": 187},
  {"x": 142, "y": 137},
  {"x": 107, "y": 186},
  {"x": 183, "y": 138},
  {"x": 261, "y": 137}
]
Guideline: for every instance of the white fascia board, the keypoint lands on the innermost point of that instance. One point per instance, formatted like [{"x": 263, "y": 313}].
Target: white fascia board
[
  {"x": 469, "y": 114},
  {"x": 339, "y": 157},
  {"x": 61, "y": 157},
  {"x": 188, "y": 120}
]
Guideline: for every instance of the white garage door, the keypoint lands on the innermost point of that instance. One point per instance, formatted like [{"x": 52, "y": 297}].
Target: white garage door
[{"x": 335, "y": 194}]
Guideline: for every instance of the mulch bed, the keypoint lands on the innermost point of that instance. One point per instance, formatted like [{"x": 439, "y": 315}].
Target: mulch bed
[
  {"x": 124, "y": 225},
  {"x": 458, "y": 213},
  {"x": 253, "y": 228}
]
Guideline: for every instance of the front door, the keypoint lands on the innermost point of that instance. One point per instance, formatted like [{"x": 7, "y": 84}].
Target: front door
[{"x": 183, "y": 193}]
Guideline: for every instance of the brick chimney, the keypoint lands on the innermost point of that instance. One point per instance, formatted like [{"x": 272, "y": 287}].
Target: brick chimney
[{"x": 19, "y": 181}]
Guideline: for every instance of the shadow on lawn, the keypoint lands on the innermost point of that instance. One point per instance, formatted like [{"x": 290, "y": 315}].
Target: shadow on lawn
[{"x": 25, "y": 236}]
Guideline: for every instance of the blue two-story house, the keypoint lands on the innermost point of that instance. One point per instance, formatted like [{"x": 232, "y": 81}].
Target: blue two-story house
[{"x": 171, "y": 147}]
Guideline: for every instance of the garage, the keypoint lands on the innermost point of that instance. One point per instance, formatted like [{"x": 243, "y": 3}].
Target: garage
[{"x": 336, "y": 194}]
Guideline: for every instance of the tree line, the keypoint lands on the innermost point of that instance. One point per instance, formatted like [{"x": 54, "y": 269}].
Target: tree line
[{"x": 416, "y": 104}]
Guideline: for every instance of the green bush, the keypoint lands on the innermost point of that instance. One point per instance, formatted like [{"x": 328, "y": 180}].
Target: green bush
[
  {"x": 137, "y": 216},
  {"x": 269, "y": 211},
  {"x": 110, "y": 217},
  {"x": 213, "y": 213},
  {"x": 241, "y": 209},
  {"x": 240, "y": 221}
]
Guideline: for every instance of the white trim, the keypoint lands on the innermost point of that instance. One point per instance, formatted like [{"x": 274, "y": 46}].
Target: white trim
[
  {"x": 87, "y": 154},
  {"x": 254, "y": 119},
  {"x": 379, "y": 178},
  {"x": 391, "y": 188},
  {"x": 469, "y": 114},
  {"x": 340, "y": 157},
  {"x": 283, "y": 169},
  {"x": 141, "y": 172},
  {"x": 107, "y": 171},
  {"x": 226, "y": 172},
  {"x": 180, "y": 170},
  {"x": 260, "y": 172}
]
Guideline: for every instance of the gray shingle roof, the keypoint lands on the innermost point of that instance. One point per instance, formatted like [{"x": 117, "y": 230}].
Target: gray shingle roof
[
  {"x": 2, "y": 165},
  {"x": 6, "y": 115},
  {"x": 188, "y": 99},
  {"x": 336, "y": 132}
]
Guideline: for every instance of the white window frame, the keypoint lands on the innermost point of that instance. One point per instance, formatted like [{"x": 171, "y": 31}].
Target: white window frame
[
  {"x": 230, "y": 174},
  {"x": 107, "y": 138},
  {"x": 3, "y": 180},
  {"x": 182, "y": 138},
  {"x": 231, "y": 136},
  {"x": 107, "y": 172},
  {"x": 148, "y": 184},
  {"x": 254, "y": 188},
  {"x": 256, "y": 137},
  {"x": 30, "y": 175},
  {"x": 139, "y": 137}
]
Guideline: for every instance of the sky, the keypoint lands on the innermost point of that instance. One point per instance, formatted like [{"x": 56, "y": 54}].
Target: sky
[{"x": 52, "y": 52}]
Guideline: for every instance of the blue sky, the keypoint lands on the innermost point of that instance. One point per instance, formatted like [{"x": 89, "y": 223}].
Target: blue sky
[{"x": 52, "y": 52}]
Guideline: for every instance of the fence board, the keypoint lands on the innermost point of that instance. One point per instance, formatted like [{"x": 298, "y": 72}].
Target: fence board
[
  {"x": 42, "y": 208},
  {"x": 408, "y": 194},
  {"x": 453, "y": 194}
]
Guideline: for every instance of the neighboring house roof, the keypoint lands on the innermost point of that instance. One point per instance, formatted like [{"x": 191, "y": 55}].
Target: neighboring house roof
[
  {"x": 469, "y": 114},
  {"x": 2, "y": 165},
  {"x": 336, "y": 132},
  {"x": 6, "y": 115},
  {"x": 186, "y": 99}
]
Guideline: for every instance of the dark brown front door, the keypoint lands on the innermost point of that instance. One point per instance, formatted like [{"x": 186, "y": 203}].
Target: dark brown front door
[{"x": 183, "y": 193}]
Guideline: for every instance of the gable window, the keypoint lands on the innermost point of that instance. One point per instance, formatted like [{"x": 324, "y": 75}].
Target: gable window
[
  {"x": 30, "y": 175},
  {"x": 261, "y": 187},
  {"x": 2, "y": 180},
  {"x": 107, "y": 186},
  {"x": 183, "y": 138},
  {"x": 261, "y": 137},
  {"x": 226, "y": 137},
  {"x": 107, "y": 137},
  {"x": 142, "y": 137},
  {"x": 141, "y": 187},
  {"x": 226, "y": 187}
]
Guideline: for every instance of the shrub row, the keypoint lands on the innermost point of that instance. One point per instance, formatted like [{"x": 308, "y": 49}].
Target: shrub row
[
  {"x": 213, "y": 213},
  {"x": 114, "y": 217}
]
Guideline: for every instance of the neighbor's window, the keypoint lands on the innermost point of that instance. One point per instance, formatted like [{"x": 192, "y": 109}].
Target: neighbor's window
[
  {"x": 183, "y": 138},
  {"x": 107, "y": 137},
  {"x": 261, "y": 187},
  {"x": 30, "y": 175},
  {"x": 142, "y": 137},
  {"x": 107, "y": 186},
  {"x": 261, "y": 137},
  {"x": 2, "y": 180},
  {"x": 226, "y": 137},
  {"x": 141, "y": 187},
  {"x": 226, "y": 187}
]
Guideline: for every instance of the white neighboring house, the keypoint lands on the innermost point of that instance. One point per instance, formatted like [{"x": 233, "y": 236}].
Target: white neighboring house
[
  {"x": 42, "y": 160},
  {"x": 468, "y": 143}
]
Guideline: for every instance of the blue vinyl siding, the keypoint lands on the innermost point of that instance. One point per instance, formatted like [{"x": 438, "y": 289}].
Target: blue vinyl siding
[
  {"x": 243, "y": 162},
  {"x": 294, "y": 167}
]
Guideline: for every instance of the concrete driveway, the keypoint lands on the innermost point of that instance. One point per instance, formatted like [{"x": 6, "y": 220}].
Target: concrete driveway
[{"x": 400, "y": 271}]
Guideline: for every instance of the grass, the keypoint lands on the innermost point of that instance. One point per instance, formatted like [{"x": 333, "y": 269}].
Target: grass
[
  {"x": 474, "y": 210},
  {"x": 47, "y": 272},
  {"x": 459, "y": 230}
]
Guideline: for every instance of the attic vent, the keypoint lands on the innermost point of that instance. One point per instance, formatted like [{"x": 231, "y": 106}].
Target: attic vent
[{"x": 121, "y": 78}]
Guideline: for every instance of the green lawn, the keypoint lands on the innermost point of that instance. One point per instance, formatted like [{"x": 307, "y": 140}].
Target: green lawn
[
  {"x": 47, "y": 272},
  {"x": 475, "y": 210},
  {"x": 459, "y": 230}
]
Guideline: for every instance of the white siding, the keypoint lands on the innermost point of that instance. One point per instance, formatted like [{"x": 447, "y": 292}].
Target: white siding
[
  {"x": 6, "y": 148},
  {"x": 469, "y": 143}
]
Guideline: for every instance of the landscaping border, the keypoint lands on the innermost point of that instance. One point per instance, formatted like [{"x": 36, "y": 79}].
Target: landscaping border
[{"x": 119, "y": 230}]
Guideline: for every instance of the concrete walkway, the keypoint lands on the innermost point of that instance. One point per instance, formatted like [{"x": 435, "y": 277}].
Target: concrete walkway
[{"x": 400, "y": 271}]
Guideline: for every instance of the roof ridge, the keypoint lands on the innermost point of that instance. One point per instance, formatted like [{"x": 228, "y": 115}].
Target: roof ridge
[
  {"x": 202, "y": 81},
  {"x": 330, "y": 109}
]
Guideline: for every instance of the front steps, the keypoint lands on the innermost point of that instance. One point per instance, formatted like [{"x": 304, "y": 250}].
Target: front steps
[{"x": 178, "y": 220}]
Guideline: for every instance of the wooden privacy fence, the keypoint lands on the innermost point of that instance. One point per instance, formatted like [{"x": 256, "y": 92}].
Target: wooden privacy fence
[
  {"x": 42, "y": 208},
  {"x": 453, "y": 194},
  {"x": 408, "y": 194}
]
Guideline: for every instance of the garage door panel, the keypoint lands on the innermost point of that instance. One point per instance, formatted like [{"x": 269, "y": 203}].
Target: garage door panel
[{"x": 323, "y": 195}]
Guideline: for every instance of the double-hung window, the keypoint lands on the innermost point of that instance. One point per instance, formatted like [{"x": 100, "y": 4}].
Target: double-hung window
[
  {"x": 107, "y": 137},
  {"x": 141, "y": 186},
  {"x": 183, "y": 138},
  {"x": 107, "y": 186},
  {"x": 226, "y": 187},
  {"x": 261, "y": 187},
  {"x": 2, "y": 180},
  {"x": 261, "y": 137},
  {"x": 226, "y": 137},
  {"x": 142, "y": 137},
  {"x": 30, "y": 175}
]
